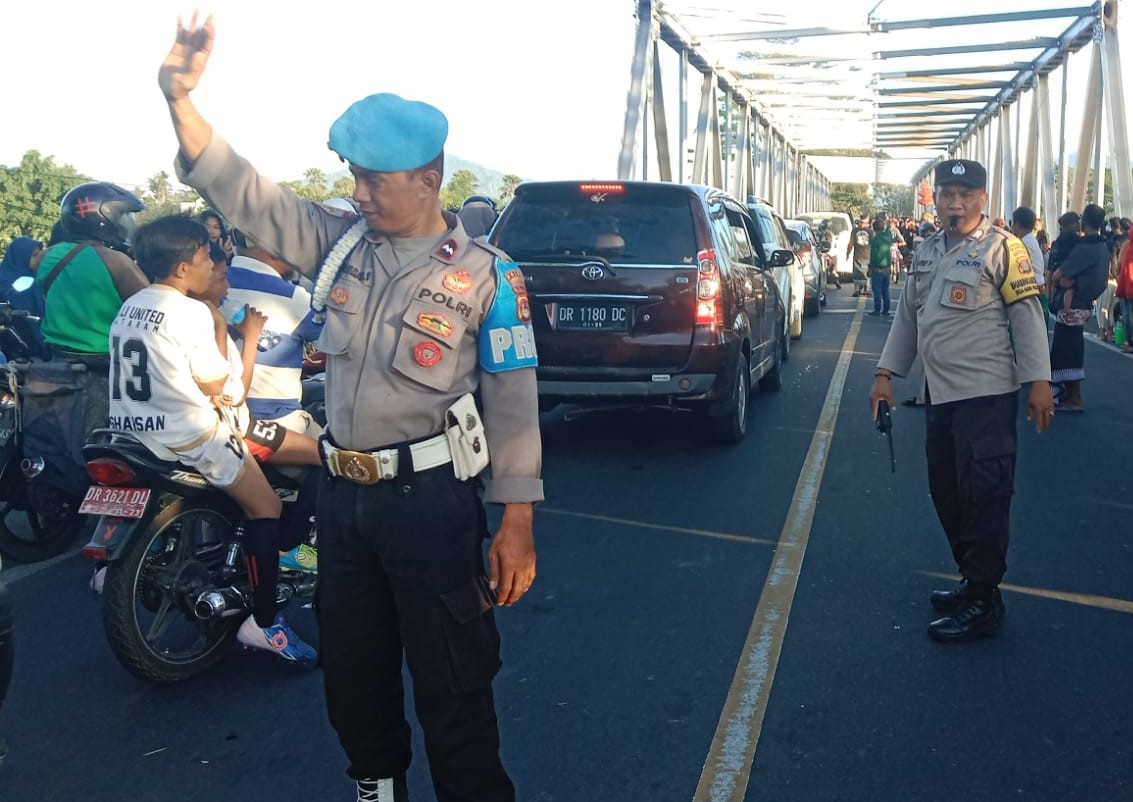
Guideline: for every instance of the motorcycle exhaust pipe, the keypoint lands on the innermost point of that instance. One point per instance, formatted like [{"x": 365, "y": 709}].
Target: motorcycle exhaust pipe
[
  {"x": 220, "y": 604},
  {"x": 32, "y": 467}
]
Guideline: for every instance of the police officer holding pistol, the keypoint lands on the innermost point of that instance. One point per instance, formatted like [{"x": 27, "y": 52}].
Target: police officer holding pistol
[
  {"x": 967, "y": 285},
  {"x": 419, "y": 317}
]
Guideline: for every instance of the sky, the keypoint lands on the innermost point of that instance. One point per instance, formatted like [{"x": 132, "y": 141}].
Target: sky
[{"x": 531, "y": 87}]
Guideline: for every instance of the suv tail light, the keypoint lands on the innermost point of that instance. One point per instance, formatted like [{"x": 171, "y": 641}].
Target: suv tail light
[{"x": 709, "y": 309}]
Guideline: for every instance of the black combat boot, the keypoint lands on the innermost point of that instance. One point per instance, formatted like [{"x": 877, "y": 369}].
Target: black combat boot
[{"x": 976, "y": 617}]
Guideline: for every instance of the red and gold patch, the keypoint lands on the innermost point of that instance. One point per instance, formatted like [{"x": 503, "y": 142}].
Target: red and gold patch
[
  {"x": 339, "y": 296},
  {"x": 959, "y": 294},
  {"x": 427, "y": 354},
  {"x": 459, "y": 282},
  {"x": 435, "y": 322},
  {"x": 514, "y": 278}
]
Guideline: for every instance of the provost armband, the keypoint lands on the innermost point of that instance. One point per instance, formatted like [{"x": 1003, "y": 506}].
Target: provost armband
[
  {"x": 507, "y": 341},
  {"x": 1020, "y": 280}
]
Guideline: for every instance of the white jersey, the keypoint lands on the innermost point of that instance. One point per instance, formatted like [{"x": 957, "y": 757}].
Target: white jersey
[{"x": 162, "y": 344}]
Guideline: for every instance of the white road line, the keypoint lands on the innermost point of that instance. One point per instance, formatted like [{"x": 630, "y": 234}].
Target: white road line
[
  {"x": 728, "y": 765},
  {"x": 660, "y": 527}
]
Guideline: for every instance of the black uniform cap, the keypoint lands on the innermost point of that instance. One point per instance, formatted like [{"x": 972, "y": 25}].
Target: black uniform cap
[{"x": 961, "y": 171}]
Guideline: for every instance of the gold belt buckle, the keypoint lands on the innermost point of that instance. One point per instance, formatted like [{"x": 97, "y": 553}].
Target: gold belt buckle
[{"x": 357, "y": 466}]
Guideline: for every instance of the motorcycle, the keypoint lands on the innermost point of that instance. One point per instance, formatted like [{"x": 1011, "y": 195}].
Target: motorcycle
[
  {"x": 176, "y": 588},
  {"x": 40, "y": 486}
]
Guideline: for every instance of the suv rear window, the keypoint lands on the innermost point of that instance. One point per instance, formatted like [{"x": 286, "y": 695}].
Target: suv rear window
[{"x": 627, "y": 225}]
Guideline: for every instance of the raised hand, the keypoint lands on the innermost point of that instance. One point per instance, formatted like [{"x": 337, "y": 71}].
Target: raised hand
[{"x": 184, "y": 65}]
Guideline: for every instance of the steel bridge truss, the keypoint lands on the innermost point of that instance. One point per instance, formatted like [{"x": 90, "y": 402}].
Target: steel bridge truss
[
  {"x": 957, "y": 111},
  {"x": 749, "y": 155}
]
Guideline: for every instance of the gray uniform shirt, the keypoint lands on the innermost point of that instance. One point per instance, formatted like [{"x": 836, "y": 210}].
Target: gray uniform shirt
[
  {"x": 955, "y": 309},
  {"x": 402, "y": 340}
]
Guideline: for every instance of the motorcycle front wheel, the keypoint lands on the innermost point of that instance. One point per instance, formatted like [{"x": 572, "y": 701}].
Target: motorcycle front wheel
[
  {"x": 47, "y": 524},
  {"x": 149, "y": 594}
]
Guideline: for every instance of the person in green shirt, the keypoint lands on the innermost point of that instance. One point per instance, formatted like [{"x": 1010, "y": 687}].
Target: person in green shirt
[
  {"x": 84, "y": 278},
  {"x": 880, "y": 264}
]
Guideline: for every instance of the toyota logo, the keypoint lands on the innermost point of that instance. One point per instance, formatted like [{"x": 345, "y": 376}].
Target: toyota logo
[{"x": 592, "y": 272}]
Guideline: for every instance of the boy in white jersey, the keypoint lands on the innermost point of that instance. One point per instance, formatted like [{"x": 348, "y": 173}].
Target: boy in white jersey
[{"x": 170, "y": 375}]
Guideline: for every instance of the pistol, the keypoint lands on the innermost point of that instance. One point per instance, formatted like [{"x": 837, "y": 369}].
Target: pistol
[{"x": 885, "y": 426}]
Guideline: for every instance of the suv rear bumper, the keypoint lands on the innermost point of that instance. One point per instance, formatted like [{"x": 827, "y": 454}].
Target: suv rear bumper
[{"x": 690, "y": 386}]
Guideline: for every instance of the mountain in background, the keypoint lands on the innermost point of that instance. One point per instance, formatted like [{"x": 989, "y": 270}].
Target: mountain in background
[{"x": 488, "y": 181}]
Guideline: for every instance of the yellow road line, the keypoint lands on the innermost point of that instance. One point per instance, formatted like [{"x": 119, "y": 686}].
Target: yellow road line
[
  {"x": 1085, "y": 599},
  {"x": 728, "y": 765},
  {"x": 643, "y": 524}
]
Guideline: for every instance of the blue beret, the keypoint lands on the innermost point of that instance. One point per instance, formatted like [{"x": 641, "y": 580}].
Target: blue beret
[{"x": 387, "y": 133}]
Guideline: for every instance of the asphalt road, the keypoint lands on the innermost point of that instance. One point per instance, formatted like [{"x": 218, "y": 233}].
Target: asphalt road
[{"x": 749, "y": 621}]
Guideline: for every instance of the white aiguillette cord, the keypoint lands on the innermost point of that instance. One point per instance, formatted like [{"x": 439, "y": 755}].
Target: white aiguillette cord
[{"x": 328, "y": 272}]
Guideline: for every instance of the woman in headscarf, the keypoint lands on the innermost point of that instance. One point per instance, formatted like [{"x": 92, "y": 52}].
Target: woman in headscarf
[{"x": 22, "y": 259}]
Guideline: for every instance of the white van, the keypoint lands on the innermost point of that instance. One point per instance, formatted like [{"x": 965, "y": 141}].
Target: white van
[{"x": 840, "y": 226}]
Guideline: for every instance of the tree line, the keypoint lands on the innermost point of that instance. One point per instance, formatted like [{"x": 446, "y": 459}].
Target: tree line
[{"x": 30, "y": 193}]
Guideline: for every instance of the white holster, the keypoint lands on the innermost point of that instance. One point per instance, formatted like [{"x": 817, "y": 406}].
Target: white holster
[{"x": 466, "y": 439}]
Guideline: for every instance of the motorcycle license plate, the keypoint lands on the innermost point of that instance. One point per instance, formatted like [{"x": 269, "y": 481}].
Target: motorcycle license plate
[{"x": 119, "y": 502}]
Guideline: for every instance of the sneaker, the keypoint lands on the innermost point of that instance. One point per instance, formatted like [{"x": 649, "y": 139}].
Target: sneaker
[
  {"x": 388, "y": 790},
  {"x": 301, "y": 558},
  {"x": 97, "y": 579},
  {"x": 278, "y": 638}
]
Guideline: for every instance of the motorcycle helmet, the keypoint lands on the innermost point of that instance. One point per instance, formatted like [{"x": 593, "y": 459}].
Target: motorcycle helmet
[
  {"x": 479, "y": 199},
  {"x": 341, "y": 204},
  {"x": 100, "y": 211}
]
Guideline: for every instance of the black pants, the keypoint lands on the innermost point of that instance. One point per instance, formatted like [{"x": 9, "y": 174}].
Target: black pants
[
  {"x": 401, "y": 572},
  {"x": 971, "y": 446}
]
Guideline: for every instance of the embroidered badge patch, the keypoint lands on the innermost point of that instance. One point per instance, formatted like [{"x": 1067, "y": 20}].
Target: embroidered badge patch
[
  {"x": 1019, "y": 283},
  {"x": 514, "y": 279},
  {"x": 435, "y": 322},
  {"x": 447, "y": 249},
  {"x": 959, "y": 294},
  {"x": 459, "y": 282},
  {"x": 427, "y": 354},
  {"x": 339, "y": 296}
]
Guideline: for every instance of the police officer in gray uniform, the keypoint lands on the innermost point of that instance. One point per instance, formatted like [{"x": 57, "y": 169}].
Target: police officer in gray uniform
[
  {"x": 967, "y": 285},
  {"x": 418, "y": 317}
]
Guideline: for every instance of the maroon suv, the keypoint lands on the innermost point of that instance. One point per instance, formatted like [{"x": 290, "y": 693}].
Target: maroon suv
[{"x": 648, "y": 292}]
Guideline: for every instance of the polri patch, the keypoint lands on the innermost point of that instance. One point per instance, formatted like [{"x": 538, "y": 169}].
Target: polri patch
[
  {"x": 959, "y": 294},
  {"x": 459, "y": 282},
  {"x": 339, "y": 296},
  {"x": 427, "y": 354},
  {"x": 436, "y": 323}
]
